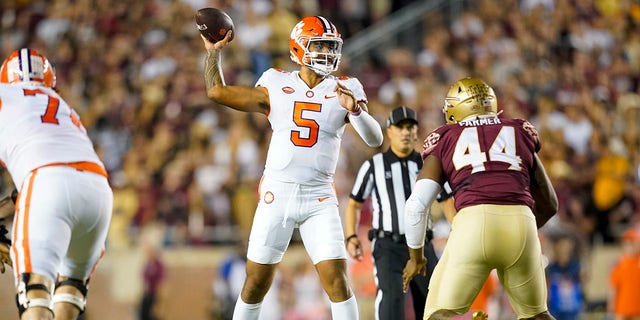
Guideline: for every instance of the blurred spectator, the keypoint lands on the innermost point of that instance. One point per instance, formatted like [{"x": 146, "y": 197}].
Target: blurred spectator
[
  {"x": 281, "y": 20},
  {"x": 228, "y": 283},
  {"x": 564, "y": 278},
  {"x": 253, "y": 35},
  {"x": 577, "y": 128},
  {"x": 400, "y": 89},
  {"x": 627, "y": 117},
  {"x": 308, "y": 301},
  {"x": 609, "y": 189},
  {"x": 125, "y": 206},
  {"x": 625, "y": 279},
  {"x": 467, "y": 26},
  {"x": 154, "y": 275}
]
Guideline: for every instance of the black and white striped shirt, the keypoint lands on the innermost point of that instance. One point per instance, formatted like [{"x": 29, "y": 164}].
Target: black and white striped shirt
[{"x": 388, "y": 180}]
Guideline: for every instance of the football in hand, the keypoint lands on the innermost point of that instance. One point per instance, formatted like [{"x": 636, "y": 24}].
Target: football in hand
[{"x": 214, "y": 23}]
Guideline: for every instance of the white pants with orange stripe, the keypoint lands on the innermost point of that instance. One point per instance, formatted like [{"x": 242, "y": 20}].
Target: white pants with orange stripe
[
  {"x": 61, "y": 222},
  {"x": 284, "y": 206}
]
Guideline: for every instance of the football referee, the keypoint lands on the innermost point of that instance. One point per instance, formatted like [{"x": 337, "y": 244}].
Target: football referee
[{"x": 388, "y": 178}]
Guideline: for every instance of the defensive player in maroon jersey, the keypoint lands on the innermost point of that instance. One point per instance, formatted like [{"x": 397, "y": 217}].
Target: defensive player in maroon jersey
[{"x": 500, "y": 189}]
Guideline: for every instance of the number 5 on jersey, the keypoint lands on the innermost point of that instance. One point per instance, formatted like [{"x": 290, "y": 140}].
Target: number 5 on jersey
[{"x": 310, "y": 124}]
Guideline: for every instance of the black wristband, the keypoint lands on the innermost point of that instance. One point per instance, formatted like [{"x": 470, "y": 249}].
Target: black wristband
[{"x": 350, "y": 237}]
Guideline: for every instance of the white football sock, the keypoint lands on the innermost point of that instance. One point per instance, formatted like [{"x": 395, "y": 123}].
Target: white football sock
[
  {"x": 245, "y": 311},
  {"x": 345, "y": 310}
]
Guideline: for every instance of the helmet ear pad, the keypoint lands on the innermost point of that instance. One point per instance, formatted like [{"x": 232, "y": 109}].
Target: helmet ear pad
[{"x": 469, "y": 97}]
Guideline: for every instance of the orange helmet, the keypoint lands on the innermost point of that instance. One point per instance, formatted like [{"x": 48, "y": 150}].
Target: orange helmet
[
  {"x": 29, "y": 66},
  {"x": 316, "y": 43}
]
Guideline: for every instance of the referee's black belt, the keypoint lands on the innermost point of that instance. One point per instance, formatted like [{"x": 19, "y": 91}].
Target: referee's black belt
[
  {"x": 395, "y": 237},
  {"x": 380, "y": 234}
]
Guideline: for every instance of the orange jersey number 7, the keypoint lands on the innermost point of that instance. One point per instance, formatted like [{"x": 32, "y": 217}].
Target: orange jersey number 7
[{"x": 50, "y": 114}]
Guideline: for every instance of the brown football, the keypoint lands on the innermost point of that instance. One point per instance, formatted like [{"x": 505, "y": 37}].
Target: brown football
[{"x": 214, "y": 23}]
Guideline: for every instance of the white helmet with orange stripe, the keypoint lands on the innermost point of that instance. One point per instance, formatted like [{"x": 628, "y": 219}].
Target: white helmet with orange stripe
[{"x": 28, "y": 66}]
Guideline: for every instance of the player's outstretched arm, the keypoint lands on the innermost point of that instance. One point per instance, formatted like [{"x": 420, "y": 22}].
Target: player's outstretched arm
[
  {"x": 242, "y": 98},
  {"x": 543, "y": 193}
]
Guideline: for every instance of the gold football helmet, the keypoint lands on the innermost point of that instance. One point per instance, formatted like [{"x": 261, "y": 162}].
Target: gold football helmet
[{"x": 469, "y": 97}]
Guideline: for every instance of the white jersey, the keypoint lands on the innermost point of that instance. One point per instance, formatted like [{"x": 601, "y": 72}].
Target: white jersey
[
  {"x": 38, "y": 128},
  {"x": 307, "y": 125}
]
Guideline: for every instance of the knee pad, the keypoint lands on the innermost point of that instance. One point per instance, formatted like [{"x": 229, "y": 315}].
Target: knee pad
[
  {"x": 24, "y": 303},
  {"x": 78, "y": 302}
]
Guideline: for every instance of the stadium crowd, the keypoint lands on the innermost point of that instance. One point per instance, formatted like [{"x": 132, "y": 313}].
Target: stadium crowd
[{"x": 132, "y": 69}]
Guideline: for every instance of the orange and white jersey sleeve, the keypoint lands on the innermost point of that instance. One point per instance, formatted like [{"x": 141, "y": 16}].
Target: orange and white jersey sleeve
[
  {"x": 37, "y": 128},
  {"x": 307, "y": 123}
]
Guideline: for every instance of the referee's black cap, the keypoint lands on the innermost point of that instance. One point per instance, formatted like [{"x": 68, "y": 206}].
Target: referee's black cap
[{"x": 402, "y": 113}]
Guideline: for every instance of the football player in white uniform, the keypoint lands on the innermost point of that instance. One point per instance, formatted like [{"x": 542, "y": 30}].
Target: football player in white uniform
[
  {"x": 63, "y": 208},
  {"x": 308, "y": 110}
]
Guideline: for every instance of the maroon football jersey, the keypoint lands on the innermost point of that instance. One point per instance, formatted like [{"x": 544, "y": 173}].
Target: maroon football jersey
[{"x": 487, "y": 160}]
